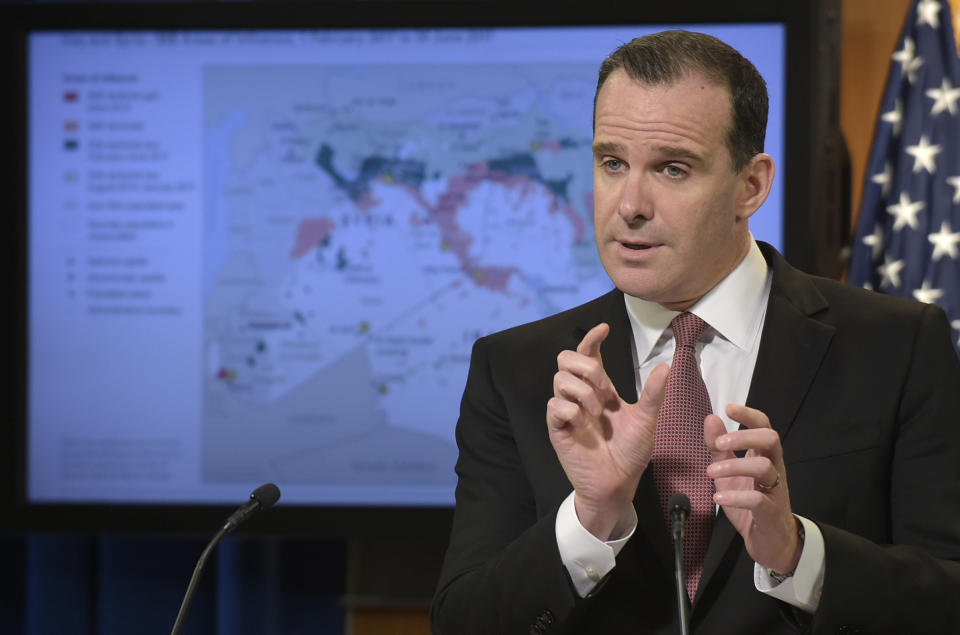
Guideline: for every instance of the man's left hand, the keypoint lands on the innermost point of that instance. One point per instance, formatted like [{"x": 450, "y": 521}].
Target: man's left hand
[{"x": 752, "y": 490}]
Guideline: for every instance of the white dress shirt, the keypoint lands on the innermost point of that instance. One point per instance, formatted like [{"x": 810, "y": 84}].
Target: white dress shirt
[{"x": 735, "y": 310}]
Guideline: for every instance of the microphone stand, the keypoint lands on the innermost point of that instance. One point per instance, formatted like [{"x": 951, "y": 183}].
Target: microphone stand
[
  {"x": 681, "y": 584},
  {"x": 262, "y": 498},
  {"x": 679, "y": 510},
  {"x": 195, "y": 579}
]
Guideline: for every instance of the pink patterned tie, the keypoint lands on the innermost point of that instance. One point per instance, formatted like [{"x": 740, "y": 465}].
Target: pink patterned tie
[{"x": 680, "y": 456}]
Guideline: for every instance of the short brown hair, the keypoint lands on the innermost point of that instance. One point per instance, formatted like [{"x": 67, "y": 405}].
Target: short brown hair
[{"x": 664, "y": 58}]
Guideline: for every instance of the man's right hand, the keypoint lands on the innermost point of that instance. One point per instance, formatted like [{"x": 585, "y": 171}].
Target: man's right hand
[{"x": 604, "y": 444}]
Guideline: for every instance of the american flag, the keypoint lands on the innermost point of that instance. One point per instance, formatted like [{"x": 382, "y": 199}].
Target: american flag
[{"x": 907, "y": 241}]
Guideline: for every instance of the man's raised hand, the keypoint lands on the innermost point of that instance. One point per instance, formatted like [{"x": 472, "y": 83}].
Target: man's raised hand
[
  {"x": 604, "y": 444},
  {"x": 752, "y": 489}
]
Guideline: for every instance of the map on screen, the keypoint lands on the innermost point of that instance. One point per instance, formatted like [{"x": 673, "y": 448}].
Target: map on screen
[{"x": 265, "y": 256}]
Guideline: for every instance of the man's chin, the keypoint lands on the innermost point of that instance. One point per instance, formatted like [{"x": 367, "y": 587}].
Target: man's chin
[{"x": 637, "y": 286}]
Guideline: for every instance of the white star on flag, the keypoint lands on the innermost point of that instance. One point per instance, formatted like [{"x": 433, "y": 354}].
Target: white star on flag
[
  {"x": 956, "y": 325},
  {"x": 883, "y": 178},
  {"x": 924, "y": 155},
  {"x": 895, "y": 117},
  {"x": 905, "y": 212},
  {"x": 945, "y": 98},
  {"x": 909, "y": 62},
  {"x": 875, "y": 241},
  {"x": 944, "y": 242},
  {"x": 890, "y": 272},
  {"x": 927, "y": 13},
  {"x": 954, "y": 182},
  {"x": 927, "y": 295}
]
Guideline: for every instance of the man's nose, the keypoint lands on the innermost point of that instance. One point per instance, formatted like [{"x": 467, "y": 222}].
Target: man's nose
[{"x": 635, "y": 203}]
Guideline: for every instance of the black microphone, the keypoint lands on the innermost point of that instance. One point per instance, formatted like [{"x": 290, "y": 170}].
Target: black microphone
[
  {"x": 679, "y": 507},
  {"x": 262, "y": 498}
]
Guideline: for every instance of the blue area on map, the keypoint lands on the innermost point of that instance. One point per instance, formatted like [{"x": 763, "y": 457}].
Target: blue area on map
[{"x": 406, "y": 171}]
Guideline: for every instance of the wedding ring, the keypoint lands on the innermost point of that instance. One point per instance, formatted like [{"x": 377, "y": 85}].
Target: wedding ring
[{"x": 774, "y": 485}]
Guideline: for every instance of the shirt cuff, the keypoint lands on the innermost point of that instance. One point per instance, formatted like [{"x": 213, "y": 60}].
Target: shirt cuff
[
  {"x": 804, "y": 587},
  {"x": 587, "y": 558}
]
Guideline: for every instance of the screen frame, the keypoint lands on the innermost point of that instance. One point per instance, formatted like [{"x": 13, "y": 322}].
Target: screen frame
[{"x": 803, "y": 26}]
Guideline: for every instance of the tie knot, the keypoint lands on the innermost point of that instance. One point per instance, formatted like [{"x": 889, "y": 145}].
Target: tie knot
[{"x": 687, "y": 329}]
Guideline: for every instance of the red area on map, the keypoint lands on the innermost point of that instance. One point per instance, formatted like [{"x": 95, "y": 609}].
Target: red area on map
[{"x": 310, "y": 233}]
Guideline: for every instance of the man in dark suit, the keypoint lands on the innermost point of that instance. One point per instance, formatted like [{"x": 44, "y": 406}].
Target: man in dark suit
[{"x": 837, "y": 484}]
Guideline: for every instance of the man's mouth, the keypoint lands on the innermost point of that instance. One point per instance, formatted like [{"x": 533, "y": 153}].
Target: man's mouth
[{"x": 636, "y": 246}]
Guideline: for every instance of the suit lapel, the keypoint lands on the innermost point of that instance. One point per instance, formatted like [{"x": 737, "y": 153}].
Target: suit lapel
[{"x": 792, "y": 346}]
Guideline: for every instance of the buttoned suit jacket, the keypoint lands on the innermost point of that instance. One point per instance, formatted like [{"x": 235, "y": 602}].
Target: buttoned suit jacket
[{"x": 864, "y": 391}]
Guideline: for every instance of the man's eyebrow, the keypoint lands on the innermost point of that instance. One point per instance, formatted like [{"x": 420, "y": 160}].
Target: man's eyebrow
[
  {"x": 606, "y": 147},
  {"x": 676, "y": 152},
  {"x": 602, "y": 148}
]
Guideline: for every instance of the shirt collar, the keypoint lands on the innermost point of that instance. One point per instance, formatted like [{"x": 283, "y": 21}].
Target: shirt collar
[{"x": 731, "y": 307}]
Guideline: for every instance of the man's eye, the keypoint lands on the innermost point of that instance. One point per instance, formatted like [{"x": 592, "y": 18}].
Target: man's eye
[
  {"x": 613, "y": 164},
  {"x": 674, "y": 171}
]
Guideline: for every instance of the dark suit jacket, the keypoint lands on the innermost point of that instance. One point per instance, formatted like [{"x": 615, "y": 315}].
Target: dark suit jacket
[{"x": 864, "y": 390}]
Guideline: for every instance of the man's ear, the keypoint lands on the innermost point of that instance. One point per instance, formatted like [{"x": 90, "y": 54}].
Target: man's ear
[{"x": 756, "y": 179}]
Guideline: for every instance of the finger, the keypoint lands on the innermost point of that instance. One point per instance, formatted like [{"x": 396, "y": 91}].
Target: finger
[
  {"x": 769, "y": 483},
  {"x": 763, "y": 441},
  {"x": 747, "y": 417},
  {"x": 590, "y": 344},
  {"x": 653, "y": 389},
  {"x": 587, "y": 368},
  {"x": 571, "y": 388},
  {"x": 562, "y": 413},
  {"x": 759, "y": 468},
  {"x": 748, "y": 499},
  {"x": 713, "y": 429}
]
